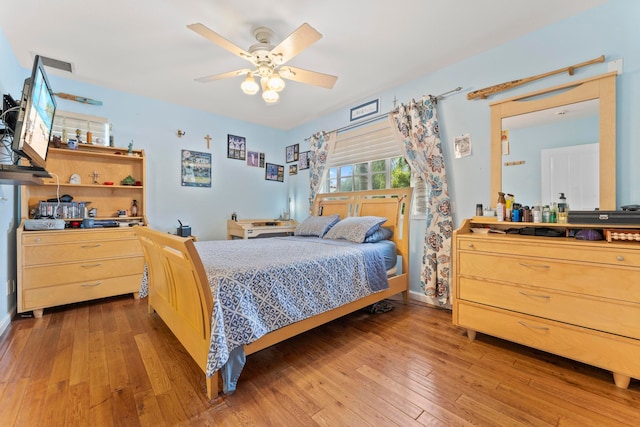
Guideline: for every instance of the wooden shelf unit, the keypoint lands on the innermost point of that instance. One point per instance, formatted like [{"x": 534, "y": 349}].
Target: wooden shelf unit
[{"x": 58, "y": 267}]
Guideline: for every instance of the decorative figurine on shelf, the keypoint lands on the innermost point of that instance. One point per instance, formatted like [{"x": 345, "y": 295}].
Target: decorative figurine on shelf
[
  {"x": 78, "y": 136},
  {"x": 134, "y": 208},
  {"x": 128, "y": 180},
  {"x": 131, "y": 148}
]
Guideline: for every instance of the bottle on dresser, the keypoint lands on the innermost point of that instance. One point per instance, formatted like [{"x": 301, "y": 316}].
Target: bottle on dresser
[
  {"x": 501, "y": 207},
  {"x": 563, "y": 209}
]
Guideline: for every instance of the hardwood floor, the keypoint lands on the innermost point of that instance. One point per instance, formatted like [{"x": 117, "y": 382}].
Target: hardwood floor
[{"x": 109, "y": 363}]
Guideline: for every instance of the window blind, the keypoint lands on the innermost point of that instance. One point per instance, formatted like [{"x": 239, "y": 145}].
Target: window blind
[{"x": 371, "y": 142}]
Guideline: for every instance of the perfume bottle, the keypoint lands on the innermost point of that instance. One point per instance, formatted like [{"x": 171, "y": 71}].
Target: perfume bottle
[{"x": 89, "y": 134}]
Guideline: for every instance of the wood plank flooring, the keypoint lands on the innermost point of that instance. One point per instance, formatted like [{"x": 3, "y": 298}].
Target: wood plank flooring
[{"x": 109, "y": 363}]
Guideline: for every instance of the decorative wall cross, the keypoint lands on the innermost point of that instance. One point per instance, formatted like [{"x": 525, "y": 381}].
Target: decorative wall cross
[{"x": 208, "y": 138}]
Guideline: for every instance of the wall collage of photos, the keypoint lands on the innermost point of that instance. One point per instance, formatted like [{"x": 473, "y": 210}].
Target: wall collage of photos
[{"x": 196, "y": 166}]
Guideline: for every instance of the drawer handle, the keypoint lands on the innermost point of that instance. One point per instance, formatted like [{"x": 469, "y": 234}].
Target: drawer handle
[
  {"x": 534, "y": 265},
  {"x": 620, "y": 258},
  {"x": 97, "y": 245},
  {"x": 91, "y": 265},
  {"x": 90, "y": 285},
  {"x": 470, "y": 245},
  {"x": 542, "y": 328},
  {"x": 535, "y": 296}
]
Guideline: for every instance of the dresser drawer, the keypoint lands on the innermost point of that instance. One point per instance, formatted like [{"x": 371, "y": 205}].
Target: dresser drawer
[
  {"x": 79, "y": 291},
  {"x": 621, "y": 283},
  {"x": 59, "y": 274},
  {"x": 596, "y": 313},
  {"x": 77, "y": 235},
  {"x": 618, "y": 354},
  {"x": 79, "y": 251},
  {"x": 554, "y": 248}
]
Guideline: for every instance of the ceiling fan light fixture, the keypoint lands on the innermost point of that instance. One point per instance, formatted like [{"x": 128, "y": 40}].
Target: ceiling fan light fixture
[
  {"x": 249, "y": 85},
  {"x": 275, "y": 82},
  {"x": 270, "y": 96}
]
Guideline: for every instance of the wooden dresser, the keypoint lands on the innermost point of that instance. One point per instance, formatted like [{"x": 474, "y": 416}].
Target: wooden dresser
[
  {"x": 57, "y": 267},
  {"x": 574, "y": 298},
  {"x": 65, "y": 266}
]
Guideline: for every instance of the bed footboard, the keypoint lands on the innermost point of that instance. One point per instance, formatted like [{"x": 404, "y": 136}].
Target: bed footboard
[{"x": 179, "y": 292}]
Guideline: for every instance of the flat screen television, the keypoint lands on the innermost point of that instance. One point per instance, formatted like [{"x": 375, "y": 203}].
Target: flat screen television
[{"x": 35, "y": 117}]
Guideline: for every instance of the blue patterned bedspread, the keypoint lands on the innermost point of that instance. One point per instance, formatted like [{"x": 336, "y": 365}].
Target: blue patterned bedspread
[{"x": 261, "y": 285}]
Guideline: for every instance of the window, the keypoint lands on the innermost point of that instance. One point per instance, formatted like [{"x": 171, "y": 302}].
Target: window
[
  {"x": 372, "y": 175},
  {"x": 370, "y": 158}
]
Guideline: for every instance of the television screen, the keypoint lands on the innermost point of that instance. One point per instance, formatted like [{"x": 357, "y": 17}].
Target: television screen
[{"x": 35, "y": 117}]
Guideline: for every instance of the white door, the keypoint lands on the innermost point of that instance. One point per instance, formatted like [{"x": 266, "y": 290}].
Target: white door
[{"x": 573, "y": 171}]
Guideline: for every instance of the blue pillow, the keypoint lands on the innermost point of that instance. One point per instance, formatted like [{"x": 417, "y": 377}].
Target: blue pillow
[
  {"x": 355, "y": 228},
  {"x": 383, "y": 233},
  {"x": 316, "y": 226}
]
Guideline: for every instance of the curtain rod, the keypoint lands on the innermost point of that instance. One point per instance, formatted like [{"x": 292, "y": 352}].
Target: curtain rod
[{"x": 384, "y": 115}]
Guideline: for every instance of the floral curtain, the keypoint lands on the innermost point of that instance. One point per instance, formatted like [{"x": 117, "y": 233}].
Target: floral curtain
[
  {"x": 416, "y": 127},
  {"x": 321, "y": 148}
]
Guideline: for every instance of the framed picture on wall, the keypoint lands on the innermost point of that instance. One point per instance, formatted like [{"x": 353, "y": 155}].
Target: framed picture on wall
[
  {"x": 293, "y": 169},
  {"x": 303, "y": 160},
  {"x": 253, "y": 159},
  {"x": 236, "y": 147},
  {"x": 292, "y": 153},
  {"x": 274, "y": 172},
  {"x": 196, "y": 169}
]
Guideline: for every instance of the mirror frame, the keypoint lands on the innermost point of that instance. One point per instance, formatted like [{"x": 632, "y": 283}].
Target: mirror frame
[{"x": 602, "y": 87}]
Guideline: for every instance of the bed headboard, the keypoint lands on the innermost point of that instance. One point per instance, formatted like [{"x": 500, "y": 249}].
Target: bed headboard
[{"x": 393, "y": 204}]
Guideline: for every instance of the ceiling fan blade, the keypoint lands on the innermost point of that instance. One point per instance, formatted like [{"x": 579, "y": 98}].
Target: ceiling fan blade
[
  {"x": 309, "y": 77},
  {"x": 303, "y": 37},
  {"x": 235, "y": 73},
  {"x": 211, "y": 35}
]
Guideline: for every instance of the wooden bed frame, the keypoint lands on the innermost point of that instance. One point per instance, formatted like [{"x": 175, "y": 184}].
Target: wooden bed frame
[{"x": 179, "y": 290}]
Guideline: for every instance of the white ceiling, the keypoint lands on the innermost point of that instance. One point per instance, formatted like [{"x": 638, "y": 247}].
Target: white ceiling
[{"x": 144, "y": 47}]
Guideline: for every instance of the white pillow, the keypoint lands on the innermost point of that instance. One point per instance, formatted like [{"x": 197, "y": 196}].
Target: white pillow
[
  {"x": 355, "y": 228},
  {"x": 316, "y": 225}
]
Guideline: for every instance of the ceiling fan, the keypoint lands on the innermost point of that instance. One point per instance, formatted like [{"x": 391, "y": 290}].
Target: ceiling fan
[{"x": 268, "y": 61}]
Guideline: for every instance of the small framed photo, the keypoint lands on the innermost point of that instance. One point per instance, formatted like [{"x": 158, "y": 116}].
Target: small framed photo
[
  {"x": 292, "y": 153},
  {"x": 293, "y": 169},
  {"x": 254, "y": 157},
  {"x": 274, "y": 172},
  {"x": 364, "y": 110},
  {"x": 303, "y": 160},
  {"x": 236, "y": 147}
]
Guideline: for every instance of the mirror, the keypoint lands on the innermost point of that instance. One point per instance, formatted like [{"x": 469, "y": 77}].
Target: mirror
[
  {"x": 557, "y": 149},
  {"x": 560, "y": 139}
]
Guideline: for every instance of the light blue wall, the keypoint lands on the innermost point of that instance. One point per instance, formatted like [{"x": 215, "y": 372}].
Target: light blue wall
[
  {"x": 610, "y": 29},
  {"x": 10, "y": 77},
  {"x": 153, "y": 126}
]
